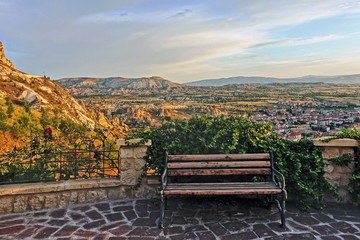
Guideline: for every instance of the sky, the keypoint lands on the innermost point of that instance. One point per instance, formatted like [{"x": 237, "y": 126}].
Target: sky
[{"x": 182, "y": 40}]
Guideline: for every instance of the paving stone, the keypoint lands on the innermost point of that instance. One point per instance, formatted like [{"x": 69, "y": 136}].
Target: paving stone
[
  {"x": 117, "y": 238},
  {"x": 178, "y": 237},
  {"x": 306, "y": 220},
  {"x": 235, "y": 226},
  {"x": 142, "y": 222},
  {"x": 8, "y": 217},
  {"x": 27, "y": 233},
  {"x": 121, "y": 230},
  {"x": 173, "y": 230},
  {"x": 86, "y": 234},
  {"x": 243, "y": 235},
  {"x": 102, "y": 206},
  {"x": 141, "y": 210},
  {"x": 101, "y": 236},
  {"x": 195, "y": 228},
  {"x": 323, "y": 218},
  {"x": 330, "y": 238},
  {"x": 11, "y": 230},
  {"x": 178, "y": 220},
  {"x": 344, "y": 227},
  {"x": 299, "y": 236},
  {"x": 11, "y": 223},
  {"x": 276, "y": 227},
  {"x": 40, "y": 214},
  {"x": 263, "y": 231},
  {"x": 112, "y": 217},
  {"x": 111, "y": 226},
  {"x": 94, "y": 215},
  {"x": 122, "y": 208},
  {"x": 66, "y": 231},
  {"x": 130, "y": 215},
  {"x": 82, "y": 208},
  {"x": 190, "y": 236},
  {"x": 349, "y": 219},
  {"x": 325, "y": 230},
  {"x": 349, "y": 237},
  {"x": 205, "y": 235},
  {"x": 141, "y": 231},
  {"x": 59, "y": 213},
  {"x": 57, "y": 222},
  {"x": 45, "y": 233},
  {"x": 217, "y": 228},
  {"x": 76, "y": 216},
  {"x": 297, "y": 226},
  {"x": 94, "y": 224}
]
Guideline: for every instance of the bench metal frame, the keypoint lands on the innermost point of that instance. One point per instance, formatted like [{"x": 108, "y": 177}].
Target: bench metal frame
[{"x": 205, "y": 159}]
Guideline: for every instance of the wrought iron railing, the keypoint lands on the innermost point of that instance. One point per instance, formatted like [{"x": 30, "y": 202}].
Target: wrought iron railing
[{"x": 70, "y": 164}]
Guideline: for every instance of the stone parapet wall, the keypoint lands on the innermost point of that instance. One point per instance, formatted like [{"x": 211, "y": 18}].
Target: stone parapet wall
[
  {"x": 36, "y": 196},
  {"x": 336, "y": 175}
]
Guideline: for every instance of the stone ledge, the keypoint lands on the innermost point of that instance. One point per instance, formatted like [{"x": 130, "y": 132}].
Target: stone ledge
[
  {"x": 344, "y": 142},
  {"x": 123, "y": 142},
  {"x": 31, "y": 188}
]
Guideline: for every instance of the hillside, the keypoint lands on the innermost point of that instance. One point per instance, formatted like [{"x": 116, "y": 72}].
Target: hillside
[
  {"x": 339, "y": 79},
  {"x": 117, "y": 85},
  {"x": 20, "y": 88}
]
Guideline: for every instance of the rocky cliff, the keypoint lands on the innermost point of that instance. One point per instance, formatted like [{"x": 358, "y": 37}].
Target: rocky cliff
[
  {"x": 117, "y": 85},
  {"x": 41, "y": 92}
]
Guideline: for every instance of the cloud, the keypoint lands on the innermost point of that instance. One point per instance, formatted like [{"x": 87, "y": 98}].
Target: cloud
[
  {"x": 182, "y": 13},
  {"x": 299, "y": 41},
  {"x": 104, "y": 17},
  {"x": 159, "y": 37}
]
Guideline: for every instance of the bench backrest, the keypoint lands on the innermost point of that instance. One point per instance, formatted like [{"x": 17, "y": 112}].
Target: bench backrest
[{"x": 219, "y": 164}]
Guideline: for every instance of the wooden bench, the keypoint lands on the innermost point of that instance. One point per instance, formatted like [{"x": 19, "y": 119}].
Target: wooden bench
[{"x": 222, "y": 165}]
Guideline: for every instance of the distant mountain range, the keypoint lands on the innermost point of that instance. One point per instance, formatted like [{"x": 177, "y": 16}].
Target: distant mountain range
[
  {"x": 116, "y": 85},
  {"x": 338, "y": 79}
]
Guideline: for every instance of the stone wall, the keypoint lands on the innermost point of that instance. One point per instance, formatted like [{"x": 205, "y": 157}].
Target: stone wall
[
  {"x": 338, "y": 176},
  {"x": 36, "y": 196}
]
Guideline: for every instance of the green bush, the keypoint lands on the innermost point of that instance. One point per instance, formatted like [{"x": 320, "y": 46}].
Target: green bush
[{"x": 300, "y": 162}]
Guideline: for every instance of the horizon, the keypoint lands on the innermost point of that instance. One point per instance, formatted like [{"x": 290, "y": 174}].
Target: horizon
[{"x": 182, "y": 41}]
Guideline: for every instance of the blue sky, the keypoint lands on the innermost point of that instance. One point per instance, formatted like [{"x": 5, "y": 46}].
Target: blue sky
[{"x": 182, "y": 40}]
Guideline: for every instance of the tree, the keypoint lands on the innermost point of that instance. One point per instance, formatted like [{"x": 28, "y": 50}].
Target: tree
[
  {"x": 27, "y": 107},
  {"x": 10, "y": 107},
  {"x": 2, "y": 119},
  {"x": 45, "y": 120}
]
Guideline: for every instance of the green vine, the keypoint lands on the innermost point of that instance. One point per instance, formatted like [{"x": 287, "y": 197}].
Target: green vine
[
  {"x": 343, "y": 160},
  {"x": 300, "y": 162}
]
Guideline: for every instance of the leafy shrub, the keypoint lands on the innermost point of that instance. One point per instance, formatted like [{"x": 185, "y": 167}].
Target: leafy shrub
[{"x": 300, "y": 162}]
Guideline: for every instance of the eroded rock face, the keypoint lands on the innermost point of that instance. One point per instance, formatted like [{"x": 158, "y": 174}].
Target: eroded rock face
[{"x": 3, "y": 58}]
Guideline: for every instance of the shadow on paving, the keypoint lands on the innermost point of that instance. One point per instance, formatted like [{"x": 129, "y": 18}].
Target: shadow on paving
[{"x": 186, "y": 218}]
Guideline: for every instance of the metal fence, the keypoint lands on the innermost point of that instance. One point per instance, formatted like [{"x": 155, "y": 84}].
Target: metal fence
[{"x": 70, "y": 164}]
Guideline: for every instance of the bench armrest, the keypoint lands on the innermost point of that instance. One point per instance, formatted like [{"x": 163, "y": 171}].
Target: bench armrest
[
  {"x": 282, "y": 184},
  {"x": 164, "y": 179}
]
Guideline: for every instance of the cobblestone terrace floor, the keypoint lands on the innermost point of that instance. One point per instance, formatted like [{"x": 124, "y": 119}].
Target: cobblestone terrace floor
[{"x": 187, "y": 218}]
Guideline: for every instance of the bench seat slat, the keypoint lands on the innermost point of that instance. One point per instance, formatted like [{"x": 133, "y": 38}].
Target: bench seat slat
[
  {"x": 219, "y": 157},
  {"x": 222, "y": 189},
  {"x": 209, "y": 164},
  {"x": 225, "y": 171},
  {"x": 250, "y": 185}
]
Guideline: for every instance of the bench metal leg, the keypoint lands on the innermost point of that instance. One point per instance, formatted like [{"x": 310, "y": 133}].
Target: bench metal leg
[
  {"x": 281, "y": 207},
  {"x": 162, "y": 210}
]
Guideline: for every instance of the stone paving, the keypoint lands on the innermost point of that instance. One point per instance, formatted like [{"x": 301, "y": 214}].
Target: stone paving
[{"x": 186, "y": 218}]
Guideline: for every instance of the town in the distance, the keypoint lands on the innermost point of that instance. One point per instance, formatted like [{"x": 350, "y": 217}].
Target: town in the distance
[{"x": 296, "y": 110}]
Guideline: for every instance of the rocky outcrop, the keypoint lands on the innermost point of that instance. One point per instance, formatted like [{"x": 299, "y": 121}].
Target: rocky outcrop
[
  {"x": 117, "y": 85},
  {"x": 40, "y": 92},
  {"x": 3, "y": 58}
]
